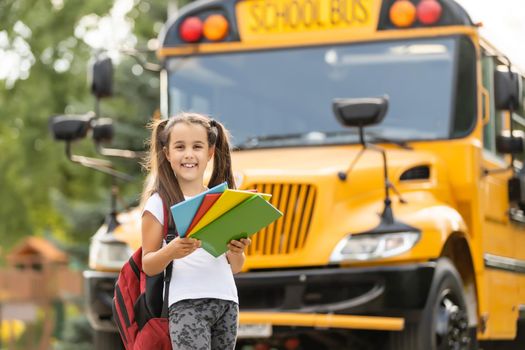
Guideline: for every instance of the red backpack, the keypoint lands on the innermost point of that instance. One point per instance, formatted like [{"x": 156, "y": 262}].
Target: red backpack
[{"x": 139, "y": 308}]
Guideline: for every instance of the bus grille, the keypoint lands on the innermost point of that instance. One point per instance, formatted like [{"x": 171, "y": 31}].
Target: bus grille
[{"x": 288, "y": 234}]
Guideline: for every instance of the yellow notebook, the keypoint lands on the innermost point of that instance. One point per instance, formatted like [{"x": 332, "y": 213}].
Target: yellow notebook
[
  {"x": 229, "y": 199},
  {"x": 242, "y": 221}
]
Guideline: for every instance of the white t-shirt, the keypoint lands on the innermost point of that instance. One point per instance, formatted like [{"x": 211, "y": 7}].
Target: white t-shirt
[{"x": 198, "y": 275}]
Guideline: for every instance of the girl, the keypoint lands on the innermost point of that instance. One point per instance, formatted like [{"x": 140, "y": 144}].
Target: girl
[{"x": 202, "y": 297}]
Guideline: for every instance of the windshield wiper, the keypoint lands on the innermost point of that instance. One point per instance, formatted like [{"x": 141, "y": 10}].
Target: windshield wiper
[
  {"x": 254, "y": 141},
  {"x": 371, "y": 137},
  {"x": 317, "y": 137},
  {"x": 397, "y": 142}
]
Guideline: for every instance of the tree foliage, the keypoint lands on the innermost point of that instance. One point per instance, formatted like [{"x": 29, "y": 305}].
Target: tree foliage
[{"x": 40, "y": 190}]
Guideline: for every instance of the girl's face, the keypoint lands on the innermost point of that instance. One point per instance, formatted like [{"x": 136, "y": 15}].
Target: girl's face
[{"x": 188, "y": 152}]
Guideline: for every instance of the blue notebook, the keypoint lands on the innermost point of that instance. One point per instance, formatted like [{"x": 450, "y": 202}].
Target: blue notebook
[{"x": 184, "y": 211}]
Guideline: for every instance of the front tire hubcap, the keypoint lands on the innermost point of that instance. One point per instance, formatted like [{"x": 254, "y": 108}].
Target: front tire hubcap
[{"x": 451, "y": 324}]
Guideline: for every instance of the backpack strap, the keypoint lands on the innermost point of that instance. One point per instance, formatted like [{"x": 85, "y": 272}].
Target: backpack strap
[{"x": 169, "y": 235}]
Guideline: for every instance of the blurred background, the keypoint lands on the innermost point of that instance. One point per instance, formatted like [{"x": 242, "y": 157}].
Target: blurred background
[
  {"x": 46, "y": 52},
  {"x": 46, "y": 49}
]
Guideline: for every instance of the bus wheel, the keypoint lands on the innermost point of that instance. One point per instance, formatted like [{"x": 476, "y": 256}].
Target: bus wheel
[{"x": 444, "y": 320}]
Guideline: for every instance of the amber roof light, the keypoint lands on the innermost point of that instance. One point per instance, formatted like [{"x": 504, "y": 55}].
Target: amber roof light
[
  {"x": 403, "y": 13},
  {"x": 215, "y": 27}
]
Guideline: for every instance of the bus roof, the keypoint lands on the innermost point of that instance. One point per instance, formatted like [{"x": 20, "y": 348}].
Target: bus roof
[{"x": 452, "y": 14}]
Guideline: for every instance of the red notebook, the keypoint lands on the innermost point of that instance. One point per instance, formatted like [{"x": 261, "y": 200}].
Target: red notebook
[{"x": 206, "y": 204}]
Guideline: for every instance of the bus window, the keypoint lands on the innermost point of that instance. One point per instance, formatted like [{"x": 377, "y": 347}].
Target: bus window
[
  {"x": 465, "y": 93},
  {"x": 493, "y": 126},
  {"x": 518, "y": 123}
]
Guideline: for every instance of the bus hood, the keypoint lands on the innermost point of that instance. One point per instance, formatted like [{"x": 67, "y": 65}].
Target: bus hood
[{"x": 320, "y": 209}]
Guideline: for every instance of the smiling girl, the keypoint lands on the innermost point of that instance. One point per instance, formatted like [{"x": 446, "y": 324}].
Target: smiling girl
[{"x": 203, "y": 303}]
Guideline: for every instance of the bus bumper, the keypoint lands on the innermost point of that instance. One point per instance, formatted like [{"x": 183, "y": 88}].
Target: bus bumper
[
  {"x": 323, "y": 320},
  {"x": 375, "y": 298},
  {"x": 99, "y": 289}
]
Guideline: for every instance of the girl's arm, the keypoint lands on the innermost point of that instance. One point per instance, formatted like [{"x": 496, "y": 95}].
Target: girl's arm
[
  {"x": 155, "y": 258},
  {"x": 235, "y": 253}
]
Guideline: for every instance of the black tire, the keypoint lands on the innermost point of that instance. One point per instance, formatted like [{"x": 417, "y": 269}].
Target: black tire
[
  {"x": 107, "y": 341},
  {"x": 444, "y": 320}
]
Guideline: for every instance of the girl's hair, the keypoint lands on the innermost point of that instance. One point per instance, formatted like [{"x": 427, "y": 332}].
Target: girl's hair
[{"x": 162, "y": 179}]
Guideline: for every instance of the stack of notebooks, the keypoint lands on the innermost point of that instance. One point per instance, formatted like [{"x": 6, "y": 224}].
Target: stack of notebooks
[{"x": 219, "y": 215}]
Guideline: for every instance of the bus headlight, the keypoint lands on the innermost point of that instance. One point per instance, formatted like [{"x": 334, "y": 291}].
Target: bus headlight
[
  {"x": 373, "y": 246},
  {"x": 108, "y": 254}
]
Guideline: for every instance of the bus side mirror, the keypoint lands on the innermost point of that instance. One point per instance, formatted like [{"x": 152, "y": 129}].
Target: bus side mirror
[
  {"x": 507, "y": 89},
  {"x": 102, "y": 78},
  {"x": 507, "y": 144},
  {"x": 516, "y": 188},
  {"x": 103, "y": 130},
  {"x": 70, "y": 127},
  {"x": 360, "y": 111}
]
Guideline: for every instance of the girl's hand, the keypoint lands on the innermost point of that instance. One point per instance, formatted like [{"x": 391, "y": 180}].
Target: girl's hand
[
  {"x": 237, "y": 247},
  {"x": 182, "y": 247}
]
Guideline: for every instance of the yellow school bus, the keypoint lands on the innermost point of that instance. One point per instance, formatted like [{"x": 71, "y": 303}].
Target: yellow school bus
[{"x": 390, "y": 135}]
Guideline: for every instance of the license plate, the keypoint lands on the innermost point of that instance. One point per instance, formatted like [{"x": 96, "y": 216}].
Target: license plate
[
  {"x": 260, "y": 18},
  {"x": 254, "y": 330}
]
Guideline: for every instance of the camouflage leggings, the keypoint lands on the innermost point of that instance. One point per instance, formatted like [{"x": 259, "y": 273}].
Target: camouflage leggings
[{"x": 203, "y": 324}]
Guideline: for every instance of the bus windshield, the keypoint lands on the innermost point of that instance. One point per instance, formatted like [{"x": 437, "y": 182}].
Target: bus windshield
[{"x": 284, "y": 97}]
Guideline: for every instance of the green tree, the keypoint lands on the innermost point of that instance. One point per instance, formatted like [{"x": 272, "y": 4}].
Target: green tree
[{"x": 40, "y": 190}]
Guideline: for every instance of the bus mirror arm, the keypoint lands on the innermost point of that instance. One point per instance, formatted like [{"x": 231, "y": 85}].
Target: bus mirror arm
[
  {"x": 105, "y": 167},
  {"x": 116, "y": 152},
  {"x": 360, "y": 112},
  {"x": 387, "y": 217},
  {"x": 497, "y": 170},
  {"x": 101, "y": 165},
  {"x": 343, "y": 175},
  {"x": 387, "y": 223}
]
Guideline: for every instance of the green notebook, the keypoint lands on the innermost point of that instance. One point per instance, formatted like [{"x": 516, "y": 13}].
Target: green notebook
[{"x": 239, "y": 222}]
